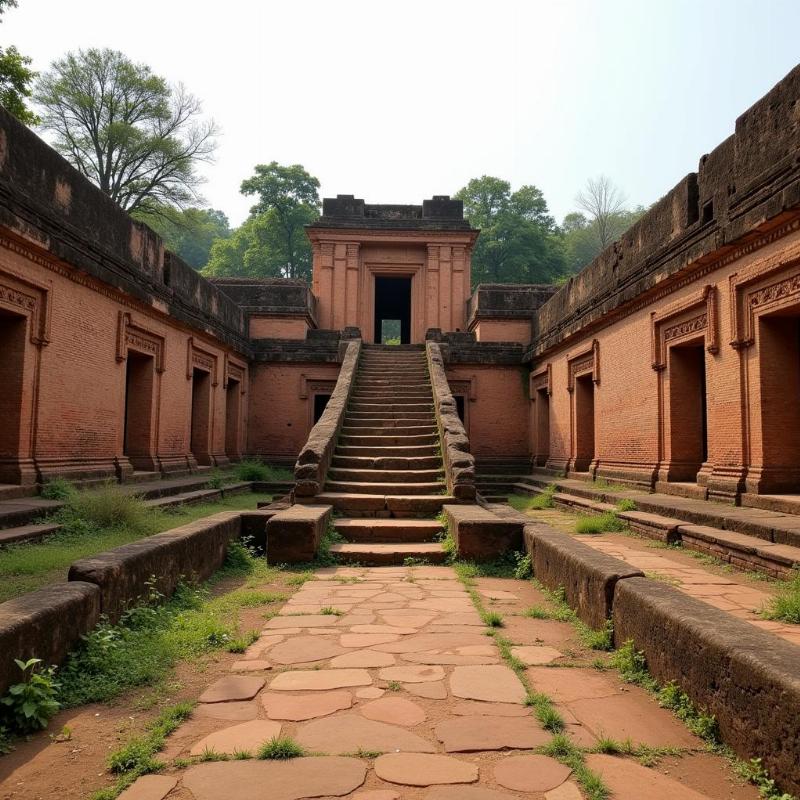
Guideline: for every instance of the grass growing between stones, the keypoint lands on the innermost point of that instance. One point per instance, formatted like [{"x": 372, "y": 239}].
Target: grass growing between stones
[
  {"x": 138, "y": 756},
  {"x": 599, "y": 523},
  {"x": 152, "y": 637},
  {"x": 785, "y": 606},
  {"x": 281, "y": 748},
  {"x": 91, "y": 526},
  {"x": 253, "y": 469},
  {"x": 536, "y": 502},
  {"x": 560, "y": 747}
]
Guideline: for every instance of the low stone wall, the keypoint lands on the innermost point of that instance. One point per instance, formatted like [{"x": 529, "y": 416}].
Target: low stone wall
[
  {"x": 747, "y": 678},
  {"x": 192, "y": 552},
  {"x": 587, "y": 576},
  {"x": 459, "y": 463},
  {"x": 45, "y": 624},
  {"x": 294, "y": 534},
  {"x": 315, "y": 457},
  {"x": 479, "y": 534}
]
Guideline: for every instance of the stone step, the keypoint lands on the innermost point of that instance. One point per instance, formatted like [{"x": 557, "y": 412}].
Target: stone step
[
  {"x": 391, "y": 422},
  {"x": 387, "y": 475},
  {"x": 378, "y": 463},
  {"x": 389, "y": 396},
  {"x": 401, "y": 451},
  {"x": 389, "y": 441},
  {"x": 389, "y": 530},
  {"x": 185, "y": 499},
  {"x": 406, "y": 430},
  {"x": 27, "y": 533},
  {"x": 392, "y": 372},
  {"x": 354, "y": 406},
  {"x": 376, "y": 505},
  {"x": 387, "y": 554},
  {"x": 26, "y": 510},
  {"x": 403, "y": 413},
  {"x": 385, "y": 487}
]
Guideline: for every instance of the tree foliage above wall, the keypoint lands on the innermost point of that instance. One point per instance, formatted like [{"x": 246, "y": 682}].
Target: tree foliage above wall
[{"x": 16, "y": 77}]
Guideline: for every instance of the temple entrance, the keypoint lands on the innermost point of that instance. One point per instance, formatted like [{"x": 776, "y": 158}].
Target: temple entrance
[
  {"x": 779, "y": 357},
  {"x": 320, "y": 402},
  {"x": 687, "y": 409},
  {"x": 584, "y": 423},
  {"x": 137, "y": 438},
  {"x": 12, "y": 347},
  {"x": 392, "y": 310},
  {"x": 201, "y": 416},
  {"x": 233, "y": 404},
  {"x": 542, "y": 422}
]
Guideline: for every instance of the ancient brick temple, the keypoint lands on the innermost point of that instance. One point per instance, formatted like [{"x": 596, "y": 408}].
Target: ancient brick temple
[{"x": 672, "y": 361}]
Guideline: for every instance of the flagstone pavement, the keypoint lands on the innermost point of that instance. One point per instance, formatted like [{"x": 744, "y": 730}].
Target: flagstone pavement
[{"x": 387, "y": 679}]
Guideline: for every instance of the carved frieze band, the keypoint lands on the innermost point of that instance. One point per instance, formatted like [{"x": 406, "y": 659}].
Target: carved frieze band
[
  {"x": 751, "y": 295},
  {"x": 541, "y": 380},
  {"x": 309, "y": 384},
  {"x": 687, "y": 318},
  {"x": 197, "y": 358},
  {"x": 133, "y": 336},
  {"x": 30, "y": 299},
  {"x": 582, "y": 363}
]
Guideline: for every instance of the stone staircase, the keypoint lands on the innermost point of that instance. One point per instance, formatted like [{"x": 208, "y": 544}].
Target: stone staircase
[{"x": 386, "y": 481}]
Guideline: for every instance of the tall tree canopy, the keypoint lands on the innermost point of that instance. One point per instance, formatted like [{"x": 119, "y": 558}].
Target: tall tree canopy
[
  {"x": 272, "y": 242},
  {"x": 191, "y": 232},
  {"x": 138, "y": 138},
  {"x": 16, "y": 77},
  {"x": 519, "y": 241},
  {"x": 603, "y": 218}
]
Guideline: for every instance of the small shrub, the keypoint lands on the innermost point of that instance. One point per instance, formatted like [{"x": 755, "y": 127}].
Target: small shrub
[
  {"x": 58, "y": 489},
  {"x": 251, "y": 469},
  {"x": 599, "y": 523},
  {"x": 30, "y": 705},
  {"x": 109, "y": 507},
  {"x": 394, "y": 686},
  {"x": 238, "y": 558},
  {"x": 243, "y": 642},
  {"x": 626, "y": 504},
  {"x": 602, "y": 639},
  {"x": 281, "y": 747},
  {"x": 524, "y": 567},
  {"x": 216, "y": 480},
  {"x": 785, "y": 605},
  {"x": 5, "y": 741},
  {"x": 492, "y": 619}
]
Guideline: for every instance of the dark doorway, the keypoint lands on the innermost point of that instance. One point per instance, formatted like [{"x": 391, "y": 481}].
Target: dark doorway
[
  {"x": 584, "y": 423},
  {"x": 12, "y": 359},
  {"x": 542, "y": 422},
  {"x": 137, "y": 441},
  {"x": 688, "y": 416},
  {"x": 320, "y": 402},
  {"x": 459, "y": 398},
  {"x": 232, "y": 413},
  {"x": 201, "y": 416},
  {"x": 392, "y": 304}
]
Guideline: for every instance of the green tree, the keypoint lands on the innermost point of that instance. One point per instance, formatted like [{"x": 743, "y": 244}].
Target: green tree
[
  {"x": 16, "y": 77},
  {"x": 272, "y": 242},
  {"x": 519, "y": 241},
  {"x": 189, "y": 233},
  {"x": 127, "y": 130}
]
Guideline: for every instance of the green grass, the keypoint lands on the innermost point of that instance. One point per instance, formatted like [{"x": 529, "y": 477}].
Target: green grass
[
  {"x": 785, "y": 605},
  {"x": 152, "y": 637},
  {"x": 535, "y": 503},
  {"x": 599, "y": 523},
  {"x": 26, "y": 567},
  {"x": 138, "y": 756},
  {"x": 626, "y": 504},
  {"x": 281, "y": 748},
  {"x": 253, "y": 469},
  {"x": 492, "y": 619}
]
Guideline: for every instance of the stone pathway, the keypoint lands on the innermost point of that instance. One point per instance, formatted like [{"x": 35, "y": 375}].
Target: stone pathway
[{"x": 387, "y": 679}]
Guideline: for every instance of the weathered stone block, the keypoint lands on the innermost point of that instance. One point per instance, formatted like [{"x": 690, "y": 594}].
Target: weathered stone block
[
  {"x": 192, "y": 552},
  {"x": 45, "y": 624},
  {"x": 587, "y": 576},
  {"x": 747, "y": 678},
  {"x": 294, "y": 535},
  {"x": 481, "y": 535}
]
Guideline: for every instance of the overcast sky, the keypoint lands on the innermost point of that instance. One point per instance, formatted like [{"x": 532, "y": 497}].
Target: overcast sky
[{"x": 397, "y": 101}]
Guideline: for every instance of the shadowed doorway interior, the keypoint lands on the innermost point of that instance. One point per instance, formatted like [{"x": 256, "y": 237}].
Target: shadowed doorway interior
[{"x": 392, "y": 303}]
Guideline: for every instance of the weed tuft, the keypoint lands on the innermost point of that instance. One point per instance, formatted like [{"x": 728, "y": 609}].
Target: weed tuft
[
  {"x": 58, "y": 489},
  {"x": 280, "y": 748},
  {"x": 599, "y": 523},
  {"x": 537, "y": 502},
  {"x": 492, "y": 619},
  {"x": 785, "y": 605}
]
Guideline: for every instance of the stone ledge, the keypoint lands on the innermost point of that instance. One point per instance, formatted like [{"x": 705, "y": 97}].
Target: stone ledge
[
  {"x": 481, "y": 535},
  {"x": 587, "y": 576},
  {"x": 45, "y": 624},
  {"x": 191, "y": 552},
  {"x": 294, "y": 534},
  {"x": 749, "y": 679}
]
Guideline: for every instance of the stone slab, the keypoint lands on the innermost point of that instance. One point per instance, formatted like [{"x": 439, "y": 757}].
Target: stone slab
[
  {"x": 531, "y": 773},
  {"x": 319, "y": 680},
  {"x": 150, "y": 787},
  {"x": 493, "y": 683},
  {"x": 418, "y": 769},
  {"x": 394, "y": 711},
  {"x": 298, "y": 707},
  {"x": 349, "y": 733},
  {"x": 475, "y": 733},
  {"x": 233, "y": 687},
  {"x": 247, "y": 737}
]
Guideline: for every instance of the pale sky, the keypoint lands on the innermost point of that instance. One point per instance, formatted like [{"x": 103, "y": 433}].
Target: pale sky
[{"x": 398, "y": 101}]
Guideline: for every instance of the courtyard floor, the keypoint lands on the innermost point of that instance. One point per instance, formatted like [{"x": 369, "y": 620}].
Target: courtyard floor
[{"x": 394, "y": 687}]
